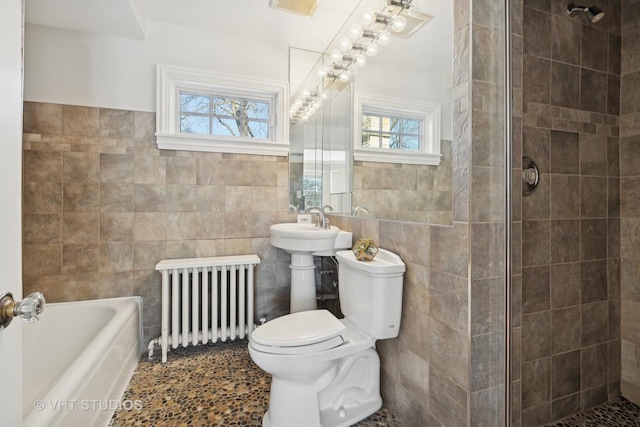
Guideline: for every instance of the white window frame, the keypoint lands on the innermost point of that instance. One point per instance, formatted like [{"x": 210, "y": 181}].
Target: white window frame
[
  {"x": 171, "y": 81},
  {"x": 429, "y": 113}
]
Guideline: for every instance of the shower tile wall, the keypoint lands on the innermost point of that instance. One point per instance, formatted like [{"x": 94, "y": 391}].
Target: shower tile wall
[
  {"x": 630, "y": 200},
  {"x": 567, "y": 298},
  {"x": 102, "y": 205}
]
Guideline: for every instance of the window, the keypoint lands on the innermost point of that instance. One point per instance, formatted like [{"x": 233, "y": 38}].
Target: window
[
  {"x": 201, "y": 111},
  {"x": 396, "y": 131}
]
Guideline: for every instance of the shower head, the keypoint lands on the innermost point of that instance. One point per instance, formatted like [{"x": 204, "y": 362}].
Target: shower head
[{"x": 593, "y": 13}]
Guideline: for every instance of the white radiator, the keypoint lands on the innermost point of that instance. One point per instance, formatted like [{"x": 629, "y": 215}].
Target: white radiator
[{"x": 205, "y": 299}]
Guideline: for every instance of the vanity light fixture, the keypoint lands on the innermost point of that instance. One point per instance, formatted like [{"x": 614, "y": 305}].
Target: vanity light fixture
[{"x": 350, "y": 53}]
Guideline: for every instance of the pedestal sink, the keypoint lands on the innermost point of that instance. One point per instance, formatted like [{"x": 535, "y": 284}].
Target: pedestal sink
[{"x": 303, "y": 241}]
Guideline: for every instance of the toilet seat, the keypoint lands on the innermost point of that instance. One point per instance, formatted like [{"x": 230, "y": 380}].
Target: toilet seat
[{"x": 300, "y": 333}]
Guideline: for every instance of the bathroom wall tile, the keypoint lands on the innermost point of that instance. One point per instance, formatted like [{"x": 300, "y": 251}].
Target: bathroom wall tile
[
  {"x": 565, "y": 196},
  {"x": 449, "y": 352},
  {"x": 535, "y": 243},
  {"x": 536, "y": 145},
  {"x": 593, "y": 91},
  {"x": 181, "y": 170},
  {"x": 565, "y": 85},
  {"x": 615, "y": 48},
  {"x": 80, "y": 121},
  {"x": 535, "y": 289},
  {"x": 629, "y": 149},
  {"x": 594, "y": 281},
  {"x": 150, "y": 198},
  {"x": 264, "y": 199},
  {"x": 144, "y": 125},
  {"x": 148, "y": 285},
  {"x": 594, "y": 42},
  {"x": 42, "y": 118},
  {"x": 536, "y": 327},
  {"x": 537, "y": 80},
  {"x": 451, "y": 308},
  {"x": 210, "y": 198},
  {"x": 79, "y": 197},
  {"x": 629, "y": 92},
  {"x": 80, "y": 228},
  {"x": 594, "y": 239},
  {"x": 147, "y": 254},
  {"x": 447, "y": 400},
  {"x": 613, "y": 198},
  {"x": 50, "y": 286},
  {"x": 116, "y": 197},
  {"x": 150, "y": 170},
  {"x": 536, "y": 204},
  {"x": 565, "y": 376},
  {"x": 210, "y": 225},
  {"x": 80, "y": 258},
  {"x": 594, "y": 323},
  {"x": 181, "y": 226},
  {"x": 565, "y": 40},
  {"x": 181, "y": 198},
  {"x": 536, "y": 33},
  {"x": 116, "y": 227},
  {"x": 484, "y": 310},
  {"x": 613, "y": 95},
  {"x": 113, "y": 285},
  {"x": 614, "y": 350},
  {"x": 629, "y": 45},
  {"x": 487, "y": 44},
  {"x": 116, "y": 124},
  {"x": 447, "y": 254},
  {"x": 43, "y": 197},
  {"x": 237, "y": 225},
  {"x": 41, "y": 229},
  {"x": 264, "y": 173},
  {"x": 149, "y": 226},
  {"x": 564, "y": 149},
  {"x": 537, "y": 415},
  {"x": 594, "y": 366},
  {"x": 237, "y": 199},
  {"x": 40, "y": 260},
  {"x": 565, "y": 406},
  {"x": 42, "y": 166},
  {"x": 81, "y": 167},
  {"x": 486, "y": 369},
  {"x": 593, "y": 155},
  {"x": 536, "y": 382},
  {"x": 565, "y": 285},
  {"x": 565, "y": 329},
  {"x": 116, "y": 257},
  {"x": 116, "y": 168},
  {"x": 80, "y": 287},
  {"x": 565, "y": 241},
  {"x": 630, "y": 197},
  {"x": 209, "y": 171}
]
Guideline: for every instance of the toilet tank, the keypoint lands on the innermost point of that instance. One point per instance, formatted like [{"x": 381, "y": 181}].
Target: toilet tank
[{"x": 371, "y": 292}]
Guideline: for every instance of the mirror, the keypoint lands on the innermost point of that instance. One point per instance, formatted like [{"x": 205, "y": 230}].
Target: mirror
[{"x": 409, "y": 70}]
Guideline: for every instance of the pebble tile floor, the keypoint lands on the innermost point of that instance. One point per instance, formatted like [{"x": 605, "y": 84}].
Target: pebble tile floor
[
  {"x": 213, "y": 385},
  {"x": 619, "y": 413}
]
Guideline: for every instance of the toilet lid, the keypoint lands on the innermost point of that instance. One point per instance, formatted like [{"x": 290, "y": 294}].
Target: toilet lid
[{"x": 302, "y": 332}]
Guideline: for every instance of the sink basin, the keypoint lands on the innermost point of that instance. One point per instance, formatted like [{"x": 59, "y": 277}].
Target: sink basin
[
  {"x": 303, "y": 241},
  {"x": 295, "y": 237}
]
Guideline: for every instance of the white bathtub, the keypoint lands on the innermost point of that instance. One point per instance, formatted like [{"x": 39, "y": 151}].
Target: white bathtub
[{"x": 78, "y": 360}]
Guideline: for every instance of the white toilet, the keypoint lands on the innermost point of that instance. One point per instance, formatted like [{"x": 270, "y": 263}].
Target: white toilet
[{"x": 325, "y": 371}]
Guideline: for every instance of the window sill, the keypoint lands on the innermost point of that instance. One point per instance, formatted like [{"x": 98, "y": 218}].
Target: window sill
[
  {"x": 210, "y": 144},
  {"x": 389, "y": 156}
]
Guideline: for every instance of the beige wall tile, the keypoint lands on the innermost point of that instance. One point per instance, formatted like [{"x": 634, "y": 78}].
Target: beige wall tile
[
  {"x": 118, "y": 124},
  {"x": 42, "y": 118},
  {"x": 80, "y": 121},
  {"x": 80, "y": 287},
  {"x": 40, "y": 260},
  {"x": 149, "y": 226},
  {"x": 80, "y": 258},
  {"x": 116, "y": 227},
  {"x": 43, "y": 166},
  {"x": 80, "y": 228},
  {"x": 81, "y": 167},
  {"x": 42, "y": 229},
  {"x": 79, "y": 197}
]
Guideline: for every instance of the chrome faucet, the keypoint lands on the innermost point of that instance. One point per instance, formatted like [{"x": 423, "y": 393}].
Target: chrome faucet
[
  {"x": 358, "y": 209},
  {"x": 322, "y": 221}
]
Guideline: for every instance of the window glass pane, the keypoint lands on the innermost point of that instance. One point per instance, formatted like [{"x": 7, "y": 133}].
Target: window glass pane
[
  {"x": 386, "y": 124},
  {"x": 394, "y": 141},
  {"x": 411, "y": 126},
  {"x": 226, "y": 107},
  {"x": 394, "y": 123},
  {"x": 225, "y": 127},
  {"x": 257, "y": 110},
  {"x": 410, "y": 143},
  {"x": 385, "y": 142},
  {"x": 194, "y": 124},
  {"x": 370, "y": 140},
  {"x": 258, "y": 129},
  {"x": 370, "y": 122},
  {"x": 190, "y": 103}
]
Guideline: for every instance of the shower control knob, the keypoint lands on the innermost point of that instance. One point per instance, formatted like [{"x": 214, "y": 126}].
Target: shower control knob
[{"x": 29, "y": 309}]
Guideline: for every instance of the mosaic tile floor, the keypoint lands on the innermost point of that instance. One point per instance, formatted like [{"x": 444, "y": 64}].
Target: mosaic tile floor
[
  {"x": 214, "y": 385},
  {"x": 619, "y": 413}
]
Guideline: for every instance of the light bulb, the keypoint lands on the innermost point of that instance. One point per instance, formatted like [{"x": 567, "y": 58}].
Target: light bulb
[
  {"x": 416, "y": 6},
  {"x": 361, "y": 60},
  {"x": 343, "y": 77},
  {"x": 345, "y": 44},
  {"x": 305, "y": 92},
  {"x": 327, "y": 65},
  {"x": 372, "y": 49},
  {"x": 336, "y": 55},
  {"x": 355, "y": 32},
  {"x": 321, "y": 73},
  {"x": 399, "y": 24},
  {"x": 368, "y": 16},
  {"x": 384, "y": 38},
  {"x": 352, "y": 69}
]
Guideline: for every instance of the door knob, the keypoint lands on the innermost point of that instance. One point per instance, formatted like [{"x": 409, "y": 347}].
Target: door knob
[{"x": 29, "y": 309}]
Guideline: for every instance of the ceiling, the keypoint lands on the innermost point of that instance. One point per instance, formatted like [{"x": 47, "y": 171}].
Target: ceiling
[{"x": 245, "y": 18}]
